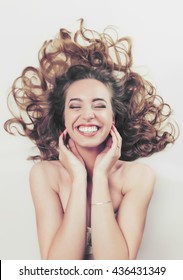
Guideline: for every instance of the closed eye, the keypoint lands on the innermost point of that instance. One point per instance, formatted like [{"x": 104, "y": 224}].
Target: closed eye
[
  {"x": 74, "y": 106},
  {"x": 100, "y": 106}
]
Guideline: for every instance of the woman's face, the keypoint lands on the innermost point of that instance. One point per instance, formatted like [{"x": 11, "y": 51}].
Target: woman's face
[{"x": 88, "y": 112}]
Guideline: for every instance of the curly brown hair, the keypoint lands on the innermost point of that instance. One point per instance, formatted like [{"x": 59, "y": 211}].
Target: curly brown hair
[{"x": 39, "y": 94}]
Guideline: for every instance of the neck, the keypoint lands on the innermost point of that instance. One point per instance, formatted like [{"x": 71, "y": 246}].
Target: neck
[{"x": 89, "y": 156}]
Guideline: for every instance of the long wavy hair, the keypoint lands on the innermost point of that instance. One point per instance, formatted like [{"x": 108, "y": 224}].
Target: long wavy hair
[{"x": 38, "y": 95}]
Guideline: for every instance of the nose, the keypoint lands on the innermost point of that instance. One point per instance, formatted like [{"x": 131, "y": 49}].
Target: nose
[{"x": 88, "y": 114}]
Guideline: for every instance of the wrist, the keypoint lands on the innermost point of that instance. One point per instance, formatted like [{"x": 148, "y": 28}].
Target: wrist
[
  {"x": 79, "y": 180},
  {"x": 80, "y": 174},
  {"x": 100, "y": 175},
  {"x": 100, "y": 179}
]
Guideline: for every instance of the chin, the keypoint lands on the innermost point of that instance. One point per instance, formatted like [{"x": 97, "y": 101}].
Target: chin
[
  {"x": 87, "y": 145},
  {"x": 90, "y": 141}
]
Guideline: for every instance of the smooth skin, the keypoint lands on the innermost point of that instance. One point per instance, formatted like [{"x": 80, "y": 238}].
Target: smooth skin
[{"x": 65, "y": 192}]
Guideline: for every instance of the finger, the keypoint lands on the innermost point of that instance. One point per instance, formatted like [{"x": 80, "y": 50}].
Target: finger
[
  {"x": 109, "y": 142},
  {"x": 63, "y": 137},
  {"x": 114, "y": 138},
  {"x": 64, "y": 134},
  {"x": 74, "y": 150},
  {"x": 62, "y": 147},
  {"x": 61, "y": 140},
  {"x": 116, "y": 146},
  {"x": 117, "y": 133},
  {"x": 73, "y": 147},
  {"x": 118, "y": 136},
  {"x": 108, "y": 145}
]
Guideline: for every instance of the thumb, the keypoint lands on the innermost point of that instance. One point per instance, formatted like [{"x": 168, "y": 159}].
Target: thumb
[
  {"x": 109, "y": 143},
  {"x": 73, "y": 149}
]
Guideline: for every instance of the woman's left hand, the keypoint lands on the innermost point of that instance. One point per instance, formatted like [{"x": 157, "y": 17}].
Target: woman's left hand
[{"x": 111, "y": 153}]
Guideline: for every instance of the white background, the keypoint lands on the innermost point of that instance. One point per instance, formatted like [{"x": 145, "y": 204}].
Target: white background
[{"x": 155, "y": 27}]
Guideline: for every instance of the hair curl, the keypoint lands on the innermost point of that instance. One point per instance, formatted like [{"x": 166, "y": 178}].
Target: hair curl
[{"x": 39, "y": 94}]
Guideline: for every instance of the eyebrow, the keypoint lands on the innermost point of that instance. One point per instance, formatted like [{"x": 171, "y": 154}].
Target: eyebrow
[{"x": 93, "y": 100}]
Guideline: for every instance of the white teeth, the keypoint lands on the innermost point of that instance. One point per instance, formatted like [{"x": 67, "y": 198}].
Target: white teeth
[{"x": 87, "y": 129}]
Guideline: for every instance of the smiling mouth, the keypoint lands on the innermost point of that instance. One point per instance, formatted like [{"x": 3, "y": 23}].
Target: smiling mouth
[{"x": 89, "y": 130}]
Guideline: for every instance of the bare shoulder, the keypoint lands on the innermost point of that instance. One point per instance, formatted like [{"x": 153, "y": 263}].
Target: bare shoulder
[
  {"x": 44, "y": 167},
  {"x": 138, "y": 177},
  {"x": 44, "y": 173},
  {"x": 138, "y": 169}
]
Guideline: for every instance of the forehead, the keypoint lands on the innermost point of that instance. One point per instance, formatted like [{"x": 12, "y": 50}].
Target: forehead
[{"x": 88, "y": 88}]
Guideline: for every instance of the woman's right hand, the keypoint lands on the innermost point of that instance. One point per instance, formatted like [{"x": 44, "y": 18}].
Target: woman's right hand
[{"x": 70, "y": 158}]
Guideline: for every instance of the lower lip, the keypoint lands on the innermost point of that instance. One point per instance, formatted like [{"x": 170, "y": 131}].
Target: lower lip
[{"x": 88, "y": 134}]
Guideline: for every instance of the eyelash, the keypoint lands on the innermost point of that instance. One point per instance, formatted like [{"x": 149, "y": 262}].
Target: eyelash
[
  {"x": 100, "y": 106},
  {"x": 74, "y": 107},
  {"x": 78, "y": 107}
]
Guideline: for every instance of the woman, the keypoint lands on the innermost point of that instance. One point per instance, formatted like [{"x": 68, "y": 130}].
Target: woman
[{"x": 90, "y": 116}]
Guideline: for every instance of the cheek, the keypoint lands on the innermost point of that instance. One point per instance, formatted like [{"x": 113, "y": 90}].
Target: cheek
[
  {"x": 68, "y": 125},
  {"x": 68, "y": 118},
  {"x": 108, "y": 117}
]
